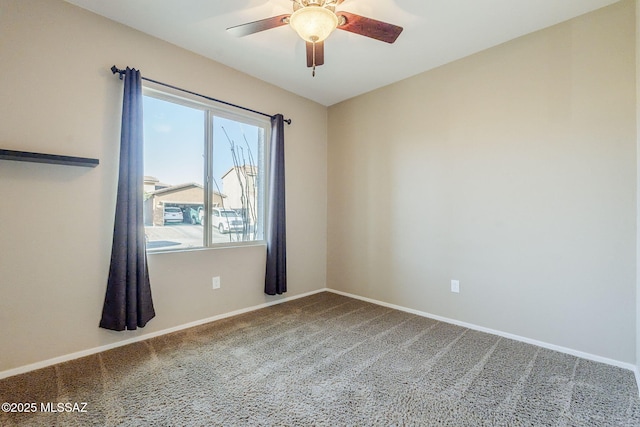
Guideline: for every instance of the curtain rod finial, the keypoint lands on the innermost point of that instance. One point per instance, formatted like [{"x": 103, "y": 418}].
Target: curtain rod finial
[
  {"x": 287, "y": 121},
  {"x": 115, "y": 69}
]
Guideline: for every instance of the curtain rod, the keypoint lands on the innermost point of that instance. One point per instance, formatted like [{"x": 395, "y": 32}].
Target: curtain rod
[{"x": 115, "y": 70}]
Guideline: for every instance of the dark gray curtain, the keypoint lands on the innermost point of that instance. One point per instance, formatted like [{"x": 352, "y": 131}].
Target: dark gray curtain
[
  {"x": 128, "y": 303},
  {"x": 276, "y": 274}
]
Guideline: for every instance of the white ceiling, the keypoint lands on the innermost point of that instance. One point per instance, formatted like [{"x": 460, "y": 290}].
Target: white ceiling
[{"x": 435, "y": 32}]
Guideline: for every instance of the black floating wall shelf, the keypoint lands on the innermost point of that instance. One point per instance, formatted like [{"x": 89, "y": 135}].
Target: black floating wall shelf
[{"x": 54, "y": 159}]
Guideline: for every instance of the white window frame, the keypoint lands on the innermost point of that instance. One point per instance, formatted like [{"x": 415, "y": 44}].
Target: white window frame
[{"x": 213, "y": 109}]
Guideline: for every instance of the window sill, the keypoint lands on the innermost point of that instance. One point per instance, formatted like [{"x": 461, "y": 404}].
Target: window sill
[{"x": 222, "y": 246}]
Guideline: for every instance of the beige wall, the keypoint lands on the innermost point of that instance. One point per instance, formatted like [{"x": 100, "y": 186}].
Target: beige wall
[
  {"x": 57, "y": 95},
  {"x": 638, "y": 196},
  {"x": 513, "y": 171}
]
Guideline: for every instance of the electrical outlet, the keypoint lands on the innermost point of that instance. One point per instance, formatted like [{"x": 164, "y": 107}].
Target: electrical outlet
[
  {"x": 216, "y": 282},
  {"x": 455, "y": 286}
]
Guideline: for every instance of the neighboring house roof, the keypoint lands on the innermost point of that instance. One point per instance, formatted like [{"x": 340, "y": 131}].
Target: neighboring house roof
[
  {"x": 181, "y": 187},
  {"x": 152, "y": 180},
  {"x": 249, "y": 169}
]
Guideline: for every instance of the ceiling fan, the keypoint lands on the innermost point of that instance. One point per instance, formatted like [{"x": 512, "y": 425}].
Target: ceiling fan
[{"x": 315, "y": 20}]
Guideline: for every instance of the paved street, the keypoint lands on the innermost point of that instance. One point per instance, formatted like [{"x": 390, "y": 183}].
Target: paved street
[{"x": 182, "y": 236}]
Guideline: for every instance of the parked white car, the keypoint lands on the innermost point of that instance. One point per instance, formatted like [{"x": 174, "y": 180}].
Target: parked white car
[
  {"x": 172, "y": 214},
  {"x": 226, "y": 220}
]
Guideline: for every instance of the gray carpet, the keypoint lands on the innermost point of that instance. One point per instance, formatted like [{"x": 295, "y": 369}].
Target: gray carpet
[{"x": 328, "y": 360}]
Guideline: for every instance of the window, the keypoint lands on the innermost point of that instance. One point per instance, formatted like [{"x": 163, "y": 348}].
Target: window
[{"x": 205, "y": 174}]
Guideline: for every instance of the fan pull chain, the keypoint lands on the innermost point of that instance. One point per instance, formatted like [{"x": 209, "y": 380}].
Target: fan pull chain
[{"x": 313, "y": 72}]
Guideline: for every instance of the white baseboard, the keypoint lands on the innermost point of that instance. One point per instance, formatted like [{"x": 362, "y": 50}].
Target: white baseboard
[
  {"x": 542, "y": 344},
  {"x": 83, "y": 353}
]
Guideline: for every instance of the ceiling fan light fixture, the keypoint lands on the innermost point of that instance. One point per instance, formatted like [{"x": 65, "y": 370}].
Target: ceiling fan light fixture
[{"x": 313, "y": 23}]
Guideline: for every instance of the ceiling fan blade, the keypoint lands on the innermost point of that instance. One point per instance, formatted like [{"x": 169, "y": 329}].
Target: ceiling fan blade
[
  {"x": 368, "y": 27},
  {"x": 257, "y": 26},
  {"x": 319, "y": 54}
]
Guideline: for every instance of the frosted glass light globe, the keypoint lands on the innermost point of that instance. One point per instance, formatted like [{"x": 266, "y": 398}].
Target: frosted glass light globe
[{"x": 313, "y": 23}]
